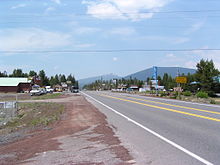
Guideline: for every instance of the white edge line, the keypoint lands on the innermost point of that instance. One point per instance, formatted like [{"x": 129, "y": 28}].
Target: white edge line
[{"x": 154, "y": 133}]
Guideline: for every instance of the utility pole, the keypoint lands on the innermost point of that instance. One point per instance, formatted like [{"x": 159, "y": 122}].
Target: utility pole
[{"x": 178, "y": 84}]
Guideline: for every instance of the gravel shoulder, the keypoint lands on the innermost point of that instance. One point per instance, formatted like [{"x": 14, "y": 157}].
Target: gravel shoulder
[{"x": 83, "y": 136}]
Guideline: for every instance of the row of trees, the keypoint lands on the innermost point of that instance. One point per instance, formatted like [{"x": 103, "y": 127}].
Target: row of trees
[
  {"x": 205, "y": 79},
  {"x": 113, "y": 84},
  {"x": 45, "y": 80}
]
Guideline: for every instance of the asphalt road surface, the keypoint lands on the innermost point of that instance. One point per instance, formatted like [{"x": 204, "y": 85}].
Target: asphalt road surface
[{"x": 162, "y": 131}]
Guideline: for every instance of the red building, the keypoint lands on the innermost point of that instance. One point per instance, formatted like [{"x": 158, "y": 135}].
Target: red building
[{"x": 14, "y": 85}]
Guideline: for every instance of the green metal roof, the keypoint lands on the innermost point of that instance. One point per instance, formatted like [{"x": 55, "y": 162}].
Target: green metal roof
[{"x": 12, "y": 81}]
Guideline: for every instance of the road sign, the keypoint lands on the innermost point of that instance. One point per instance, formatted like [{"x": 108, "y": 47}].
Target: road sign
[
  {"x": 69, "y": 82},
  {"x": 182, "y": 80},
  {"x": 155, "y": 73}
]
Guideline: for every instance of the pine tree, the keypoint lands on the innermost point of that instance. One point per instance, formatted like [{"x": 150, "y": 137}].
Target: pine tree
[{"x": 205, "y": 74}]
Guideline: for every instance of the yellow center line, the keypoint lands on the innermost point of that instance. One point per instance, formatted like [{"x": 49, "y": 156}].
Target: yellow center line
[
  {"x": 167, "y": 109},
  {"x": 178, "y": 106}
]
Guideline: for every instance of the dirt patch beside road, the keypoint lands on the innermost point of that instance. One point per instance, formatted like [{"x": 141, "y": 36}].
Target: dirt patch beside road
[{"x": 83, "y": 136}]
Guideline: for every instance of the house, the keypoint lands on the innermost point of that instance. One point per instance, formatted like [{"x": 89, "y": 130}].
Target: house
[
  {"x": 64, "y": 86},
  {"x": 57, "y": 88},
  {"x": 122, "y": 87},
  {"x": 14, "y": 84},
  {"x": 145, "y": 87}
]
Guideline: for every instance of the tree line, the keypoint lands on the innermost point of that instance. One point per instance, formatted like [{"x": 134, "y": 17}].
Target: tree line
[
  {"x": 206, "y": 79},
  {"x": 57, "y": 79},
  {"x": 113, "y": 84}
]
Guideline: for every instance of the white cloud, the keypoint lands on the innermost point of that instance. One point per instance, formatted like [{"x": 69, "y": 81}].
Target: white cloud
[
  {"x": 56, "y": 1},
  {"x": 49, "y": 9},
  {"x": 172, "y": 40},
  {"x": 9, "y": 68},
  {"x": 195, "y": 27},
  {"x": 208, "y": 55},
  {"x": 124, "y": 31},
  {"x": 190, "y": 64},
  {"x": 85, "y": 30},
  {"x": 124, "y": 9},
  {"x": 190, "y": 59},
  {"x": 56, "y": 67},
  {"x": 181, "y": 40},
  {"x": 104, "y": 11},
  {"x": 18, "y": 6},
  {"x": 32, "y": 39},
  {"x": 170, "y": 55},
  {"x": 115, "y": 59},
  {"x": 84, "y": 45}
]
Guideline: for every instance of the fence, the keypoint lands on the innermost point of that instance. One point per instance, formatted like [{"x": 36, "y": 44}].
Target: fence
[{"x": 8, "y": 111}]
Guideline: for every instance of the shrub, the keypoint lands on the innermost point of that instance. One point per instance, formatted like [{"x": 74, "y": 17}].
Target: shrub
[
  {"x": 187, "y": 93},
  {"x": 174, "y": 95},
  {"x": 162, "y": 94},
  {"x": 212, "y": 101},
  {"x": 202, "y": 94}
]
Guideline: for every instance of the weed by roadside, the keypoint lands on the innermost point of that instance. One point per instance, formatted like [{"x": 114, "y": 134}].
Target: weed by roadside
[
  {"x": 47, "y": 96},
  {"x": 32, "y": 115},
  {"x": 27, "y": 96}
]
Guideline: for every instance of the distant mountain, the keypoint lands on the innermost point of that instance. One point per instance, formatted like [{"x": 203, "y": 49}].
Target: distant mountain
[
  {"x": 90, "y": 80},
  {"x": 142, "y": 75}
]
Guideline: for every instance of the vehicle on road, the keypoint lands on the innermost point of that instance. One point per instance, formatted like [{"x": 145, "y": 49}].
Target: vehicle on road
[{"x": 74, "y": 89}]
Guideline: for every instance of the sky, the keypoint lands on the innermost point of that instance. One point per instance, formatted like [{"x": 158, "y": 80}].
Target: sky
[{"x": 64, "y": 36}]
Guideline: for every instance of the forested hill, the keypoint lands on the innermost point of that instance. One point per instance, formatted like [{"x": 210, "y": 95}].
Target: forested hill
[{"x": 142, "y": 75}]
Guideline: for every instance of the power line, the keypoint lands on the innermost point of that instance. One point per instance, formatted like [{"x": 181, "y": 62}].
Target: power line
[
  {"x": 52, "y": 20},
  {"x": 125, "y": 14},
  {"x": 138, "y": 27},
  {"x": 62, "y": 21},
  {"x": 107, "y": 51},
  {"x": 135, "y": 13}
]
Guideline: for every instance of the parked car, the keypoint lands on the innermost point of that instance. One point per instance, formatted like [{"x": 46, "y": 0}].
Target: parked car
[
  {"x": 35, "y": 92},
  {"x": 43, "y": 91},
  {"x": 49, "y": 89}
]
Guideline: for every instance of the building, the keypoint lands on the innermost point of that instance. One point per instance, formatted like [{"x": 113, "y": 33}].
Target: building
[
  {"x": 133, "y": 88},
  {"x": 57, "y": 88},
  {"x": 64, "y": 86},
  {"x": 14, "y": 85},
  {"x": 151, "y": 86}
]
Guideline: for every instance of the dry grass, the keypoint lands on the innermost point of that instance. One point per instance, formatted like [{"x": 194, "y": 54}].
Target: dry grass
[{"x": 32, "y": 115}]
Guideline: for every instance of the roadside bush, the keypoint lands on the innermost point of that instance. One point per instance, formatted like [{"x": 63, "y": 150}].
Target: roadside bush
[
  {"x": 202, "y": 95},
  {"x": 174, "y": 95},
  {"x": 162, "y": 94},
  {"x": 212, "y": 101},
  {"x": 187, "y": 93}
]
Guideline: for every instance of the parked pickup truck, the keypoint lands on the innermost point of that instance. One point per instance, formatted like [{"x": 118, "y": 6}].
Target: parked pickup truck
[{"x": 35, "y": 92}]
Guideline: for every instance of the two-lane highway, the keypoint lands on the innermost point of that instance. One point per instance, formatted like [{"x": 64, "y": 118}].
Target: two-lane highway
[{"x": 163, "y": 131}]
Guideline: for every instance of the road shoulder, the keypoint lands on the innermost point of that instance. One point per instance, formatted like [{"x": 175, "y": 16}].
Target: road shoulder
[{"x": 83, "y": 136}]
